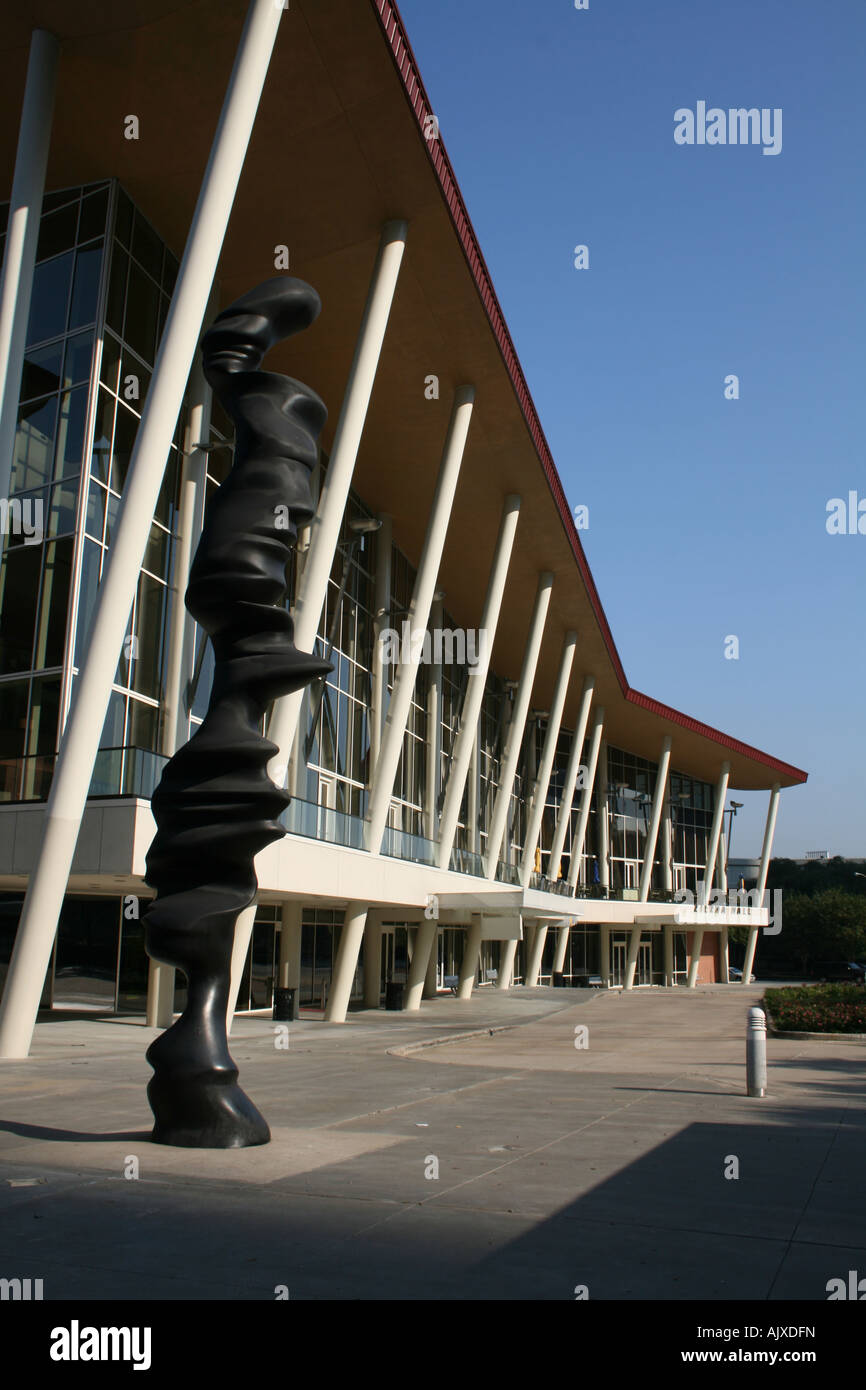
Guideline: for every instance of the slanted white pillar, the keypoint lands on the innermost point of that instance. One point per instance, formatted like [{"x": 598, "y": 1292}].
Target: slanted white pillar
[
  {"x": 467, "y": 735},
  {"x": 381, "y": 621},
  {"x": 434, "y": 726},
  {"x": 507, "y": 953},
  {"x": 766, "y": 852},
  {"x": 325, "y": 527},
  {"x": 551, "y": 738},
  {"x": 418, "y": 617},
  {"x": 22, "y": 234},
  {"x": 561, "y": 948},
  {"x": 346, "y": 963},
  {"x": 603, "y": 821},
  {"x": 514, "y": 737},
  {"x": 425, "y": 940},
  {"x": 705, "y": 886},
  {"x": 574, "y": 765},
  {"x": 533, "y": 965},
  {"x": 469, "y": 963},
  {"x": 193, "y": 482},
  {"x": 667, "y": 849},
  {"x": 586, "y": 799},
  {"x": 291, "y": 934},
  {"x": 92, "y": 688},
  {"x": 659, "y": 797}
]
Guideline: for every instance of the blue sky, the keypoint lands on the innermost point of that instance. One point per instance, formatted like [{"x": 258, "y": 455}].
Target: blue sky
[{"x": 707, "y": 516}]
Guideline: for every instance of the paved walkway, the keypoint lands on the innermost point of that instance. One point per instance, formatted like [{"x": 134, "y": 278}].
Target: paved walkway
[{"x": 558, "y": 1166}]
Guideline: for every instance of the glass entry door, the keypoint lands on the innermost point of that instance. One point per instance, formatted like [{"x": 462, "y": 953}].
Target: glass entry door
[{"x": 618, "y": 957}]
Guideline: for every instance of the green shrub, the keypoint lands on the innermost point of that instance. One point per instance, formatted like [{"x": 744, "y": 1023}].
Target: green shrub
[{"x": 837, "y": 1008}]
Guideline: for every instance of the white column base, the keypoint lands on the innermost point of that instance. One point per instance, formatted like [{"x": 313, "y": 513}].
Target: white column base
[{"x": 346, "y": 963}]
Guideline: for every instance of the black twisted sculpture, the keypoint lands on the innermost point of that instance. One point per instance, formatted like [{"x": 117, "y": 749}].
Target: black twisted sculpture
[{"x": 216, "y": 806}]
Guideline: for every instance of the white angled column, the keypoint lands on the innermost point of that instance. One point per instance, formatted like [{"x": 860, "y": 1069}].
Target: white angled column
[
  {"x": 514, "y": 737},
  {"x": 346, "y": 963},
  {"x": 92, "y": 688},
  {"x": 659, "y": 798},
  {"x": 586, "y": 800},
  {"x": 193, "y": 482},
  {"x": 325, "y": 527},
  {"x": 603, "y": 821},
  {"x": 551, "y": 738},
  {"x": 434, "y": 726},
  {"x": 471, "y": 956},
  {"x": 561, "y": 948},
  {"x": 574, "y": 765},
  {"x": 705, "y": 887},
  {"x": 419, "y": 614},
  {"x": 467, "y": 736},
  {"x": 425, "y": 941},
  {"x": 381, "y": 621},
  {"x": 536, "y": 952},
  {"x": 766, "y": 852},
  {"x": 22, "y": 234}
]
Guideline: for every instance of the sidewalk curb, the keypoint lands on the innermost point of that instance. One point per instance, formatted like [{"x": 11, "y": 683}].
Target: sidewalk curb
[
  {"x": 407, "y": 1048},
  {"x": 816, "y": 1037}
]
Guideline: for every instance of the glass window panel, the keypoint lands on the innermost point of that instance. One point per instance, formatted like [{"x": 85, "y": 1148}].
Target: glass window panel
[
  {"x": 13, "y": 721},
  {"x": 110, "y": 361},
  {"x": 125, "y": 428},
  {"x": 143, "y": 726},
  {"x": 133, "y": 393},
  {"x": 169, "y": 272},
  {"x": 51, "y": 624},
  {"x": 64, "y": 500},
  {"x": 116, "y": 288},
  {"x": 112, "y": 729},
  {"x": 88, "y": 585},
  {"x": 58, "y": 199},
  {"x": 142, "y": 309},
  {"x": 44, "y": 709},
  {"x": 49, "y": 299},
  {"x": 156, "y": 553},
  {"x": 70, "y": 431},
  {"x": 101, "y": 455},
  {"x": 19, "y": 589},
  {"x": 112, "y": 508},
  {"x": 24, "y": 518},
  {"x": 85, "y": 965},
  {"x": 34, "y": 444},
  {"x": 166, "y": 504},
  {"x": 134, "y": 966},
  {"x": 41, "y": 370},
  {"x": 57, "y": 231},
  {"x": 123, "y": 218},
  {"x": 149, "y": 625},
  {"x": 85, "y": 288},
  {"x": 94, "y": 210},
  {"x": 79, "y": 355},
  {"x": 147, "y": 247},
  {"x": 95, "y": 514}
]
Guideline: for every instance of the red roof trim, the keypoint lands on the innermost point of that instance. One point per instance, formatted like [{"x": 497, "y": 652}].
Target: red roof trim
[{"x": 404, "y": 59}]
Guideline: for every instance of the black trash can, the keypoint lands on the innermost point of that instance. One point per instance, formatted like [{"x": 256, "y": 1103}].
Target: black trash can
[
  {"x": 558, "y": 979},
  {"x": 394, "y": 995},
  {"x": 285, "y": 1005}
]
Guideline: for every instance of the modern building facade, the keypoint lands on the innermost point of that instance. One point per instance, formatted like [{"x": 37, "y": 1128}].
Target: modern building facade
[{"x": 479, "y": 796}]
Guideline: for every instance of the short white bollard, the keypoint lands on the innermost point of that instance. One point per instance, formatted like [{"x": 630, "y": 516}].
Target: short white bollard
[{"x": 756, "y": 1053}]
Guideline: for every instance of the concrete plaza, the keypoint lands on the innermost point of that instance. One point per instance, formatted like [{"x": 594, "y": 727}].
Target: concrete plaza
[{"x": 507, "y": 1164}]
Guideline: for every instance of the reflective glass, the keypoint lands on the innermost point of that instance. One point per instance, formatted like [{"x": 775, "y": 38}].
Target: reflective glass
[
  {"x": 34, "y": 444},
  {"x": 64, "y": 506},
  {"x": 85, "y": 287},
  {"x": 70, "y": 431},
  {"x": 57, "y": 231},
  {"x": 51, "y": 624},
  {"x": 116, "y": 288},
  {"x": 147, "y": 247},
  {"x": 41, "y": 370},
  {"x": 19, "y": 588},
  {"x": 49, "y": 299},
  {"x": 79, "y": 355},
  {"x": 94, "y": 210},
  {"x": 125, "y": 428},
  {"x": 87, "y": 588},
  {"x": 142, "y": 308}
]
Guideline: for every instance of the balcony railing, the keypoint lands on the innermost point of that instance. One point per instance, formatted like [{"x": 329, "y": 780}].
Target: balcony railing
[
  {"x": 125, "y": 771},
  {"x": 400, "y": 844},
  {"x": 323, "y": 823}
]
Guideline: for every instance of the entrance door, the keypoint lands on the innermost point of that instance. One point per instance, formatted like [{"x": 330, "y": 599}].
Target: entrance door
[{"x": 618, "y": 958}]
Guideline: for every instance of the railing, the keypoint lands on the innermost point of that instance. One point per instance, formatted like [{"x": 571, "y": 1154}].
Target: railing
[
  {"x": 127, "y": 771},
  {"x": 466, "y": 861},
  {"x": 508, "y": 873},
  {"x": 323, "y": 823},
  {"x": 400, "y": 844}
]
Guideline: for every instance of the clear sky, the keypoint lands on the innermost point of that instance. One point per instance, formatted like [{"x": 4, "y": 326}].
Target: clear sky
[{"x": 707, "y": 516}]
